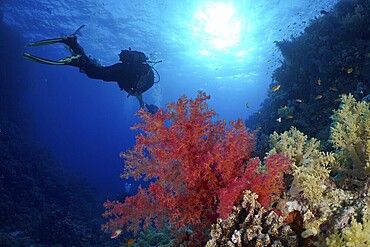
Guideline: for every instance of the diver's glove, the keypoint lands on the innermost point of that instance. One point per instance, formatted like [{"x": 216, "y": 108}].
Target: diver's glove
[{"x": 152, "y": 108}]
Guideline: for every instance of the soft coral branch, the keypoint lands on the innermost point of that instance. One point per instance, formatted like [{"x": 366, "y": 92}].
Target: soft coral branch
[
  {"x": 195, "y": 163},
  {"x": 268, "y": 183}
]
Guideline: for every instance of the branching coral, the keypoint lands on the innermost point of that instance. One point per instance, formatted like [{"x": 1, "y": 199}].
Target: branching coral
[
  {"x": 250, "y": 224},
  {"x": 350, "y": 133}
]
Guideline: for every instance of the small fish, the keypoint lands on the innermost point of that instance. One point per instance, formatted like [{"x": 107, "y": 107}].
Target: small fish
[
  {"x": 334, "y": 89},
  {"x": 116, "y": 233},
  {"x": 275, "y": 88},
  {"x": 319, "y": 82},
  {"x": 247, "y": 105},
  {"x": 259, "y": 113},
  {"x": 298, "y": 100},
  {"x": 338, "y": 100},
  {"x": 318, "y": 97},
  {"x": 324, "y": 12},
  {"x": 293, "y": 217},
  {"x": 127, "y": 188},
  {"x": 278, "y": 120},
  {"x": 130, "y": 241},
  {"x": 349, "y": 70},
  {"x": 290, "y": 117}
]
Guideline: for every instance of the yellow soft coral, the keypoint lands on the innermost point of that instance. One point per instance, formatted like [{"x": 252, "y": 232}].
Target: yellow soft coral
[
  {"x": 312, "y": 189},
  {"x": 350, "y": 133},
  {"x": 356, "y": 235},
  {"x": 312, "y": 167},
  {"x": 294, "y": 144}
]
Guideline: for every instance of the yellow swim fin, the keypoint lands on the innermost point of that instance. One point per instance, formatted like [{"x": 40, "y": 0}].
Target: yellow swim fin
[
  {"x": 60, "y": 39},
  {"x": 64, "y": 61}
]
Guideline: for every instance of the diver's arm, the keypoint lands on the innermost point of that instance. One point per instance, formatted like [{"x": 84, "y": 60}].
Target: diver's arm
[{"x": 140, "y": 99}]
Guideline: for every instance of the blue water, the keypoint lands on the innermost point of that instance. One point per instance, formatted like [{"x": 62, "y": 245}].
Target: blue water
[{"x": 225, "y": 48}]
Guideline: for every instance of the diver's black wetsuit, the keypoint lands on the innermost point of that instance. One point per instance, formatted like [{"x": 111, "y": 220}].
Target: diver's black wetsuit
[
  {"x": 134, "y": 74},
  {"x": 134, "y": 78},
  {"x": 126, "y": 75}
]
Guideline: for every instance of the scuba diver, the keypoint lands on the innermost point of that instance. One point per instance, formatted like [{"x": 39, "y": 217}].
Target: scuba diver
[{"x": 133, "y": 74}]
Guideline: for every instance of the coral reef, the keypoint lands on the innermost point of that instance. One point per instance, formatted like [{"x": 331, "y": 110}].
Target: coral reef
[
  {"x": 318, "y": 208},
  {"x": 312, "y": 192},
  {"x": 152, "y": 237},
  {"x": 357, "y": 234},
  {"x": 189, "y": 158},
  {"x": 199, "y": 169},
  {"x": 331, "y": 57},
  {"x": 250, "y": 224}
]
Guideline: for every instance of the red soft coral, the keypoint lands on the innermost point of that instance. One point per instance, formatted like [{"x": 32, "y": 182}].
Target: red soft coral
[
  {"x": 267, "y": 181},
  {"x": 190, "y": 158},
  {"x": 198, "y": 169}
]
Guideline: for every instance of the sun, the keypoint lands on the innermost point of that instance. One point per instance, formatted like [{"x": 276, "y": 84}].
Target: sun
[{"x": 217, "y": 24}]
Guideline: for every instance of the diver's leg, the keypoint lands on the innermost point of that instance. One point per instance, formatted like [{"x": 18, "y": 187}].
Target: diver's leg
[{"x": 73, "y": 45}]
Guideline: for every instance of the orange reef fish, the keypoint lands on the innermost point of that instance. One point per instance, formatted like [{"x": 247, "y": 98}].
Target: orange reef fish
[
  {"x": 116, "y": 233},
  {"x": 290, "y": 117},
  {"x": 275, "y": 88},
  {"x": 130, "y": 241}
]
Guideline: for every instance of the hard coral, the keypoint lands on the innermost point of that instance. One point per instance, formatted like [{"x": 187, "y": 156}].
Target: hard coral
[{"x": 250, "y": 224}]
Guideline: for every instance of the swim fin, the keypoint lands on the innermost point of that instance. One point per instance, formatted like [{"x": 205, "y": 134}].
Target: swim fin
[
  {"x": 62, "y": 39},
  {"x": 78, "y": 30},
  {"x": 65, "y": 61}
]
